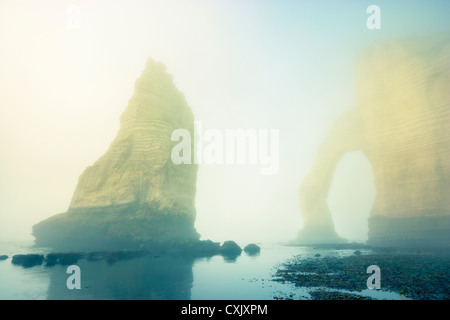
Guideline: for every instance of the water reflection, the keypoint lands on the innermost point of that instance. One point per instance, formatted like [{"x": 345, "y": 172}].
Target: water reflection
[
  {"x": 245, "y": 277},
  {"x": 230, "y": 258},
  {"x": 146, "y": 278},
  {"x": 253, "y": 254}
]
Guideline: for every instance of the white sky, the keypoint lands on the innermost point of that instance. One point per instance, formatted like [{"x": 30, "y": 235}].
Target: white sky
[{"x": 284, "y": 65}]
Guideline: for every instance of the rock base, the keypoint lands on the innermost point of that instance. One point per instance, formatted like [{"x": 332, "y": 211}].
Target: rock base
[
  {"x": 312, "y": 236},
  {"x": 432, "y": 231},
  {"x": 128, "y": 226}
]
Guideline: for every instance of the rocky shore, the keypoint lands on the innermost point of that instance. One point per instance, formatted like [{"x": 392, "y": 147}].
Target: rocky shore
[
  {"x": 413, "y": 275},
  {"x": 194, "y": 249}
]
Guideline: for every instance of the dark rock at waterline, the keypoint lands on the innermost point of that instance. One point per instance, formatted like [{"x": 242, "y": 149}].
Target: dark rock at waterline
[
  {"x": 69, "y": 258},
  {"x": 317, "y": 255},
  {"x": 357, "y": 252},
  {"x": 64, "y": 259},
  {"x": 27, "y": 260},
  {"x": 3, "y": 257},
  {"x": 230, "y": 248},
  {"x": 208, "y": 247},
  {"x": 190, "y": 248},
  {"x": 196, "y": 248},
  {"x": 112, "y": 258},
  {"x": 115, "y": 256},
  {"x": 252, "y": 248},
  {"x": 202, "y": 248},
  {"x": 51, "y": 259},
  {"x": 96, "y": 255}
]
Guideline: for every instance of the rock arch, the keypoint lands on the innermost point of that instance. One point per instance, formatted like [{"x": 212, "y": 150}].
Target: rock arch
[{"x": 402, "y": 124}]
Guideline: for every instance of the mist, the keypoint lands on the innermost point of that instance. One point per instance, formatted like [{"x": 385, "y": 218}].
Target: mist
[{"x": 287, "y": 65}]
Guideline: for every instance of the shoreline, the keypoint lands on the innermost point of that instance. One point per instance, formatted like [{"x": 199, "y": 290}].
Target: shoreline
[
  {"x": 188, "y": 249},
  {"x": 323, "y": 272},
  {"x": 411, "y": 275}
]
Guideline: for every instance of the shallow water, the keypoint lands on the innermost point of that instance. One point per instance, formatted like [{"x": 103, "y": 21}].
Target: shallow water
[{"x": 165, "y": 277}]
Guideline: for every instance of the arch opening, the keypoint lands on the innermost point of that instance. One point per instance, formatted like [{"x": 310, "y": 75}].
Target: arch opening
[{"x": 351, "y": 196}]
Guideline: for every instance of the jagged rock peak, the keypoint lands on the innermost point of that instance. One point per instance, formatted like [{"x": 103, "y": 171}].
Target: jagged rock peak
[{"x": 134, "y": 192}]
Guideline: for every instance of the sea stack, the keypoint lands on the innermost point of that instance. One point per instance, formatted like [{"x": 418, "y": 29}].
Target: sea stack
[
  {"x": 134, "y": 194},
  {"x": 402, "y": 125}
]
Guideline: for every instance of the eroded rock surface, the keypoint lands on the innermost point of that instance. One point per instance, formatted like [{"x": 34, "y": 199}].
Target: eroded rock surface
[
  {"x": 402, "y": 125},
  {"x": 134, "y": 193}
]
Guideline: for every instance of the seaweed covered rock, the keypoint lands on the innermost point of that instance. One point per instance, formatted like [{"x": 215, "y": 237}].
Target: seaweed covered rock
[
  {"x": 230, "y": 248},
  {"x": 252, "y": 249},
  {"x": 27, "y": 260},
  {"x": 64, "y": 259}
]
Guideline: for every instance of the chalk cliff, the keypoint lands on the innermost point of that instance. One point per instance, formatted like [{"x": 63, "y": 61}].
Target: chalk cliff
[
  {"x": 402, "y": 125},
  {"x": 134, "y": 193}
]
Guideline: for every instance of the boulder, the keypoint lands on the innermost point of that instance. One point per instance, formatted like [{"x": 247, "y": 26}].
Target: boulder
[
  {"x": 252, "y": 249},
  {"x": 115, "y": 256},
  {"x": 27, "y": 260},
  {"x": 64, "y": 259},
  {"x": 230, "y": 248}
]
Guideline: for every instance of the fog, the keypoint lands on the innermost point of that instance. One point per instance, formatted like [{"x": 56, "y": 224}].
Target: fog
[{"x": 286, "y": 65}]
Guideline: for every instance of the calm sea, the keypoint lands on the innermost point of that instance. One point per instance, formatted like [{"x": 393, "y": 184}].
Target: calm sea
[{"x": 165, "y": 277}]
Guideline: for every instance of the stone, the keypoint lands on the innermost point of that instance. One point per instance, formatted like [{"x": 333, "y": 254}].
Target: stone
[
  {"x": 402, "y": 125},
  {"x": 51, "y": 259},
  {"x": 27, "y": 260},
  {"x": 134, "y": 193},
  {"x": 252, "y": 248},
  {"x": 96, "y": 256},
  {"x": 203, "y": 248},
  {"x": 230, "y": 248},
  {"x": 64, "y": 258},
  {"x": 3, "y": 257}
]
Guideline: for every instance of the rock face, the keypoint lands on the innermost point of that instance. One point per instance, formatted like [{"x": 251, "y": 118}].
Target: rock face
[
  {"x": 402, "y": 125},
  {"x": 134, "y": 193}
]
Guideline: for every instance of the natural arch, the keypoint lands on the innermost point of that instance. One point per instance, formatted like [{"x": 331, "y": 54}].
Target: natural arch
[
  {"x": 401, "y": 122},
  {"x": 346, "y": 134}
]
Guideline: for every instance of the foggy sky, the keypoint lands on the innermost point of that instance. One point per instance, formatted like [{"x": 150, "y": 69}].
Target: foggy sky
[{"x": 284, "y": 65}]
